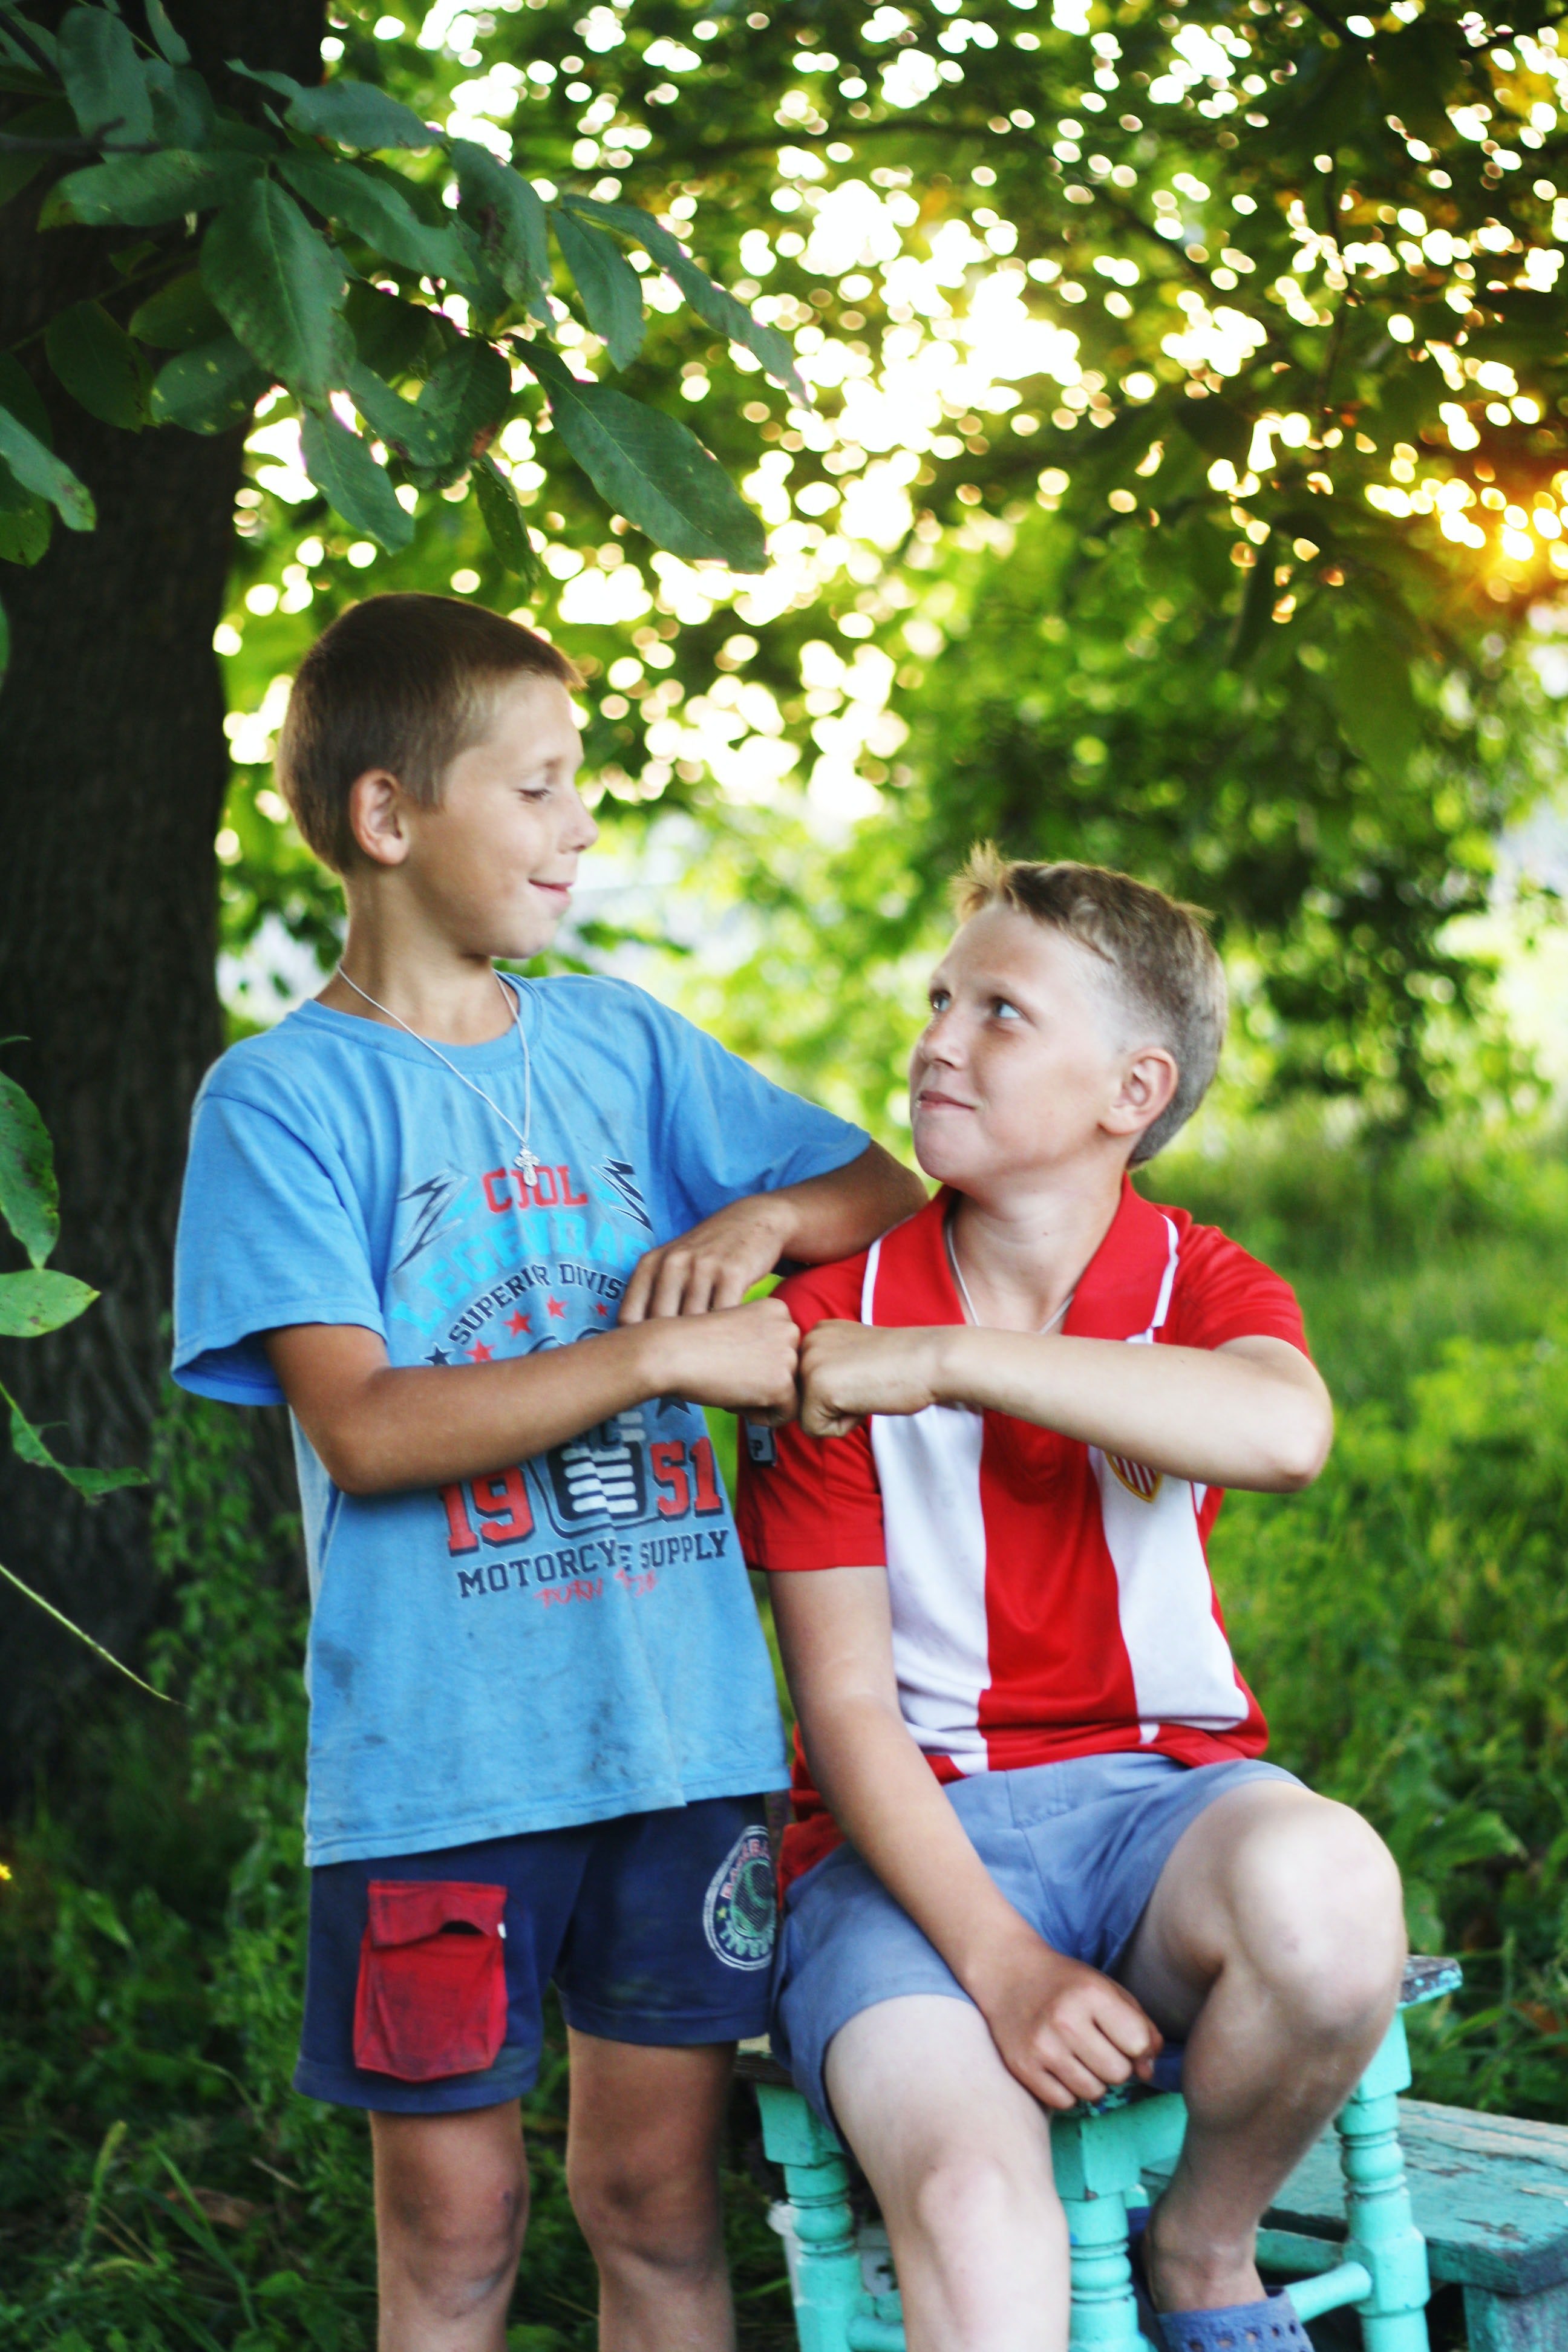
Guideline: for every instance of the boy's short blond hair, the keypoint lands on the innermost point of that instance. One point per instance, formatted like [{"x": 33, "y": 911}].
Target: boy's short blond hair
[
  {"x": 401, "y": 682},
  {"x": 1161, "y": 962}
]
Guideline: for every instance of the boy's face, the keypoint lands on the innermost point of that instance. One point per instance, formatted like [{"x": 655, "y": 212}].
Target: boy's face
[
  {"x": 495, "y": 863},
  {"x": 1028, "y": 1060}
]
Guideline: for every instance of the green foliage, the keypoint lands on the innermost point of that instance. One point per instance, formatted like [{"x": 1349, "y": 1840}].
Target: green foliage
[
  {"x": 159, "y": 2177},
  {"x": 280, "y": 284},
  {"x": 37, "y": 1302}
]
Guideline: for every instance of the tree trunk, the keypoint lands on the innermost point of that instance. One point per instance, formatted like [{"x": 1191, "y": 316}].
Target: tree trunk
[{"x": 112, "y": 770}]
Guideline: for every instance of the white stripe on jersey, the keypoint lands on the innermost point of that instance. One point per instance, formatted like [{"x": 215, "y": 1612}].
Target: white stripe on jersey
[
  {"x": 1182, "y": 1669},
  {"x": 928, "y": 1465}
]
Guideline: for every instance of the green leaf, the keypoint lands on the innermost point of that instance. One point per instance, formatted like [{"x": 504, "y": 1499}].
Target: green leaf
[
  {"x": 29, "y": 1197},
  {"x": 39, "y": 471},
  {"x": 99, "y": 364},
  {"x": 139, "y": 191},
  {"x": 184, "y": 114},
  {"x": 392, "y": 336},
  {"x": 32, "y": 1304},
  {"x": 403, "y": 426},
  {"x": 209, "y": 389},
  {"x": 610, "y": 287},
  {"x": 25, "y": 529},
  {"x": 163, "y": 33},
  {"x": 177, "y": 316},
  {"x": 22, "y": 396},
  {"x": 354, "y": 113},
  {"x": 512, "y": 223},
  {"x": 282, "y": 287},
  {"x": 103, "y": 78},
  {"x": 650, "y": 468},
  {"x": 342, "y": 469},
  {"x": 371, "y": 209},
  {"x": 712, "y": 303},
  {"x": 503, "y": 519},
  {"x": 107, "y": 1480},
  {"x": 51, "y": 120},
  {"x": 1377, "y": 704},
  {"x": 1253, "y": 619},
  {"x": 42, "y": 42},
  {"x": 466, "y": 397}
]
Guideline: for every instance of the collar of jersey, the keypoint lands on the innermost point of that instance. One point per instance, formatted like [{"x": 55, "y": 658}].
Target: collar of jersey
[{"x": 1117, "y": 1294}]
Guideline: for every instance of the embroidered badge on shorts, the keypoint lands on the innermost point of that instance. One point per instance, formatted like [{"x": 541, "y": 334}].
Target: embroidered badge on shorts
[
  {"x": 739, "y": 1911},
  {"x": 762, "y": 1445}
]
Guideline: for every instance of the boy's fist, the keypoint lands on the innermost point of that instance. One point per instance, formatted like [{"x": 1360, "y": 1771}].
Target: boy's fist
[
  {"x": 1066, "y": 2031},
  {"x": 742, "y": 1358},
  {"x": 850, "y": 1369}
]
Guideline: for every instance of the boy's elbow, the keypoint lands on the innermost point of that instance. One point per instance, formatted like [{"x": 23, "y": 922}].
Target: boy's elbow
[
  {"x": 352, "y": 1459},
  {"x": 1301, "y": 1446}
]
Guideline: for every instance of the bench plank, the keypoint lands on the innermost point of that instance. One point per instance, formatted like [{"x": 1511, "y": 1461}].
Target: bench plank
[{"x": 1489, "y": 2193}]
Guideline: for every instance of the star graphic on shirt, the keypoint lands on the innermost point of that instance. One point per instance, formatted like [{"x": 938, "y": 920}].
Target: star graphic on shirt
[
  {"x": 556, "y": 1308},
  {"x": 518, "y": 1324},
  {"x": 481, "y": 1354},
  {"x": 600, "y": 1307},
  {"x": 438, "y": 1356}
]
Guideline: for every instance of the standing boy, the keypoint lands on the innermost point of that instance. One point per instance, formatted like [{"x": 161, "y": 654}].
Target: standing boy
[
  {"x": 1014, "y": 1684},
  {"x": 440, "y": 1213}
]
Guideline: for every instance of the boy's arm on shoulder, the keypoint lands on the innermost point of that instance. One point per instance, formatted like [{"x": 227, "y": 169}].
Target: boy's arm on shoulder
[
  {"x": 823, "y": 1218},
  {"x": 1251, "y": 1413},
  {"x": 380, "y": 1427},
  {"x": 1063, "y": 2029}
]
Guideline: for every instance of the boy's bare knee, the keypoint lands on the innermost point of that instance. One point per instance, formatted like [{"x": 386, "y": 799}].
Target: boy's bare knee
[
  {"x": 1319, "y": 1912},
  {"x": 646, "y": 2212},
  {"x": 451, "y": 2232}
]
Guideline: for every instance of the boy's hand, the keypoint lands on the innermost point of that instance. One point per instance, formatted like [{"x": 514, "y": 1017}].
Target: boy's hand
[
  {"x": 1066, "y": 2031},
  {"x": 742, "y": 1358},
  {"x": 710, "y": 1268},
  {"x": 850, "y": 1369}
]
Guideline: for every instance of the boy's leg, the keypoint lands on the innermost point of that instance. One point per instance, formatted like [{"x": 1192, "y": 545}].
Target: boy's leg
[
  {"x": 959, "y": 2155},
  {"x": 642, "y": 2166},
  {"x": 451, "y": 2205},
  {"x": 1273, "y": 1943}
]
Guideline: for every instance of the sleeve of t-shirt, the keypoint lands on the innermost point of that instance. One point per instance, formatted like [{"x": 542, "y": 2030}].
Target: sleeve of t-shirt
[
  {"x": 1223, "y": 1294},
  {"x": 728, "y": 1131},
  {"x": 268, "y": 1236},
  {"x": 812, "y": 1502}
]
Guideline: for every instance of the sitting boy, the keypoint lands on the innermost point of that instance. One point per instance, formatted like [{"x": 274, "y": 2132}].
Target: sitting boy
[
  {"x": 437, "y": 1211},
  {"x": 1015, "y": 1696}
]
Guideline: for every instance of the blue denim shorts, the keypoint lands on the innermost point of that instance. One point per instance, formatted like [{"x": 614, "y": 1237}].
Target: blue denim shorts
[
  {"x": 1077, "y": 1847},
  {"x": 426, "y": 1980}
]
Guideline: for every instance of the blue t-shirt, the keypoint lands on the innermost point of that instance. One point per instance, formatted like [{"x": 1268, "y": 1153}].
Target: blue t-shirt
[{"x": 571, "y": 1638}]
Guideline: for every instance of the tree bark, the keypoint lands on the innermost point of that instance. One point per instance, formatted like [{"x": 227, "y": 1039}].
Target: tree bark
[{"x": 113, "y": 767}]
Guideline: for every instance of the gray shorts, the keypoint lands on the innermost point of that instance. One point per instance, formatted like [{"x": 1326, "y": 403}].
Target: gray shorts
[{"x": 1077, "y": 1847}]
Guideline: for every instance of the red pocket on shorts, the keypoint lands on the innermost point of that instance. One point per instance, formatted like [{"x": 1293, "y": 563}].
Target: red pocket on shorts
[{"x": 431, "y": 1998}]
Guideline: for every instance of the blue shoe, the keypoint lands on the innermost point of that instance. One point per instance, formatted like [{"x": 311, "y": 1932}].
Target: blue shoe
[{"x": 1270, "y": 2326}]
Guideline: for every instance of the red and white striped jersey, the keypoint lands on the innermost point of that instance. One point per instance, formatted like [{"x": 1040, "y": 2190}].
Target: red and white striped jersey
[{"x": 1048, "y": 1600}]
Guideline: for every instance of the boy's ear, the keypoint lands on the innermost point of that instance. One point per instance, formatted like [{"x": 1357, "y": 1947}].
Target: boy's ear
[
  {"x": 375, "y": 817},
  {"x": 1149, "y": 1081}
]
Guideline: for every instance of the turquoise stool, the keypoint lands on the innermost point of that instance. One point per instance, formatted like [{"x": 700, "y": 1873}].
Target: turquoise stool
[{"x": 1106, "y": 2156}]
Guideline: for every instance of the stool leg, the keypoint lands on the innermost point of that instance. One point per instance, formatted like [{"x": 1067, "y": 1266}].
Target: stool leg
[
  {"x": 816, "y": 2187},
  {"x": 1104, "y": 2308},
  {"x": 1382, "y": 2233}
]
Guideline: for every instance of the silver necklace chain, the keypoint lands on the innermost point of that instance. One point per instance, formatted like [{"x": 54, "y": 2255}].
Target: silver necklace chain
[
  {"x": 968, "y": 1303},
  {"x": 527, "y": 1161}
]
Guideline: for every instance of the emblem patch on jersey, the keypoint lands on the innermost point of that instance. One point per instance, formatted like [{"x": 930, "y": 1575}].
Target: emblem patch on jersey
[
  {"x": 600, "y": 1477},
  {"x": 1137, "y": 1479},
  {"x": 739, "y": 1911},
  {"x": 762, "y": 1445}
]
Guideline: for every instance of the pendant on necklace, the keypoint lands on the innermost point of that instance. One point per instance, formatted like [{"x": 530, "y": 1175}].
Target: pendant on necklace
[{"x": 529, "y": 1163}]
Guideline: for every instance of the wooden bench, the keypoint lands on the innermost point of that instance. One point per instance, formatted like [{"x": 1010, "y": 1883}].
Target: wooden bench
[{"x": 1349, "y": 2230}]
